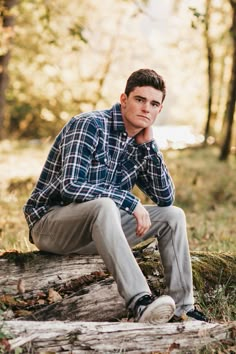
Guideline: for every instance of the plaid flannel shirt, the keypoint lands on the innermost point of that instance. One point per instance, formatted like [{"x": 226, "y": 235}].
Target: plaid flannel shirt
[{"x": 93, "y": 157}]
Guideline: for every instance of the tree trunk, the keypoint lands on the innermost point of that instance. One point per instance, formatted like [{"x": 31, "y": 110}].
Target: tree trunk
[
  {"x": 105, "y": 337},
  {"x": 7, "y": 22},
  {"x": 209, "y": 70},
  {"x": 230, "y": 109}
]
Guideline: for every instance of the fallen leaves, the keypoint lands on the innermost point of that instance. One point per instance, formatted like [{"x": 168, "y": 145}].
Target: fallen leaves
[
  {"x": 53, "y": 296},
  {"x": 24, "y": 303}
]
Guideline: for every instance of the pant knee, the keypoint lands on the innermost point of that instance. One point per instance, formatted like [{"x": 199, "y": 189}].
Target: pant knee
[
  {"x": 177, "y": 217},
  {"x": 107, "y": 208}
]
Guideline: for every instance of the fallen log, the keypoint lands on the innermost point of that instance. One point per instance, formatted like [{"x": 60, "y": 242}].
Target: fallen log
[
  {"x": 105, "y": 337},
  {"x": 85, "y": 292},
  {"x": 83, "y": 286},
  {"x": 39, "y": 270}
]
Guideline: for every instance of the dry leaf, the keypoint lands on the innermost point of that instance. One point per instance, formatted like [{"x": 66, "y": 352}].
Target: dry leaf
[
  {"x": 8, "y": 300},
  {"x": 41, "y": 301},
  {"x": 21, "y": 286},
  {"x": 22, "y": 313},
  {"x": 53, "y": 296}
]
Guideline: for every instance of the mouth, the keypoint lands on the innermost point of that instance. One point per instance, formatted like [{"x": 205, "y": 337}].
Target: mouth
[{"x": 145, "y": 117}]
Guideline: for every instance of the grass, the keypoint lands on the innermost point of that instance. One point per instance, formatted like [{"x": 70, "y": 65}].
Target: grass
[{"x": 205, "y": 189}]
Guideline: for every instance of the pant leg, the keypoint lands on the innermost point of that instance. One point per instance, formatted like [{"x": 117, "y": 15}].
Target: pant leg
[
  {"x": 92, "y": 227},
  {"x": 169, "y": 226}
]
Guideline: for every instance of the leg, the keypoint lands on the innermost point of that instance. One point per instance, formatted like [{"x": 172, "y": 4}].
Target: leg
[
  {"x": 88, "y": 228},
  {"x": 169, "y": 226}
]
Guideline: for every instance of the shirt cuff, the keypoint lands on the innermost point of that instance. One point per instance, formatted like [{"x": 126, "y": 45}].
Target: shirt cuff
[
  {"x": 149, "y": 149},
  {"x": 129, "y": 203}
]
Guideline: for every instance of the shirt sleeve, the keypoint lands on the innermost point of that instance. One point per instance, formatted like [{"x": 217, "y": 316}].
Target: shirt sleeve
[
  {"x": 78, "y": 147},
  {"x": 154, "y": 179}
]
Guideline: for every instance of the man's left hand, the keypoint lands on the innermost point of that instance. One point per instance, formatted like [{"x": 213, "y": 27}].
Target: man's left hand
[{"x": 144, "y": 136}]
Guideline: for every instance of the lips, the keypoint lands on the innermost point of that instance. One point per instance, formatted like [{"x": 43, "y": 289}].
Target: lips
[{"x": 143, "y": 117}]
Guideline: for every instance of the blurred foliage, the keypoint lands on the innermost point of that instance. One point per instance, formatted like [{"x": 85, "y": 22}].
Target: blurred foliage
[
  {"x": 56, "y": 68},
  {"x": 67, "y": 58}
]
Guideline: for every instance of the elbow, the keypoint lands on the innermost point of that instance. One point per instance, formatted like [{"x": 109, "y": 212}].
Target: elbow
[{"x": 165, "y": 202}]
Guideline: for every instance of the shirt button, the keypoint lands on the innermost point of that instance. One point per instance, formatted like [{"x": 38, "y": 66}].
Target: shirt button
[
  {"x": 135, "y": 166},
  {"x": 148, "y": 148},
  {"x": 124, "y": 133},
  {"x": 105, "y": 160},
  {"x": 127, "y": 209}
]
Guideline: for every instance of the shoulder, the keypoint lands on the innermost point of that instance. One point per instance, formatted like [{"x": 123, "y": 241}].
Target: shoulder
[
  {"x": 90, "y": 123},
  {"x": 98, "y": 119}
]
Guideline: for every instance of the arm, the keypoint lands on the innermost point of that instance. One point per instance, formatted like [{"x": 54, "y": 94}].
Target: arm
[
  {"x": 154, "y": 179},
  {"x": 78, "y": 147}
]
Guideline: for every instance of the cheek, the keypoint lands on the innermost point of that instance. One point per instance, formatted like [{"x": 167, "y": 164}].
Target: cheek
[{"x": 153, "y": 118}]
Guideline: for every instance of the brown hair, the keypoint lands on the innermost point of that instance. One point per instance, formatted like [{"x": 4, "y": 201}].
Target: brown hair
[{"x": 145, "y": 77}]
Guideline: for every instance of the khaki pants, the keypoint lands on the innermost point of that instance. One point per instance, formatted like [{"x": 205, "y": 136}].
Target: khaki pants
[{"x": 99, "y": 227}]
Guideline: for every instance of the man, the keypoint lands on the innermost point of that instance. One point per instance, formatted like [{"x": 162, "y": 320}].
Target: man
[{"x": 83, "y": 202}]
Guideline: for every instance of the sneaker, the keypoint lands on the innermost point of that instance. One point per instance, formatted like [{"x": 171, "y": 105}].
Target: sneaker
[
  {"x": 197, "y": 315},
  {"x": 151, "y": 310},
  {"x": 193, "y": 314}
]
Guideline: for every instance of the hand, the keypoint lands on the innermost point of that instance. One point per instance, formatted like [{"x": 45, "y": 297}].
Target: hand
[
  {"x": 143, "y": 220},
  {"x": 144, "y": 136}
]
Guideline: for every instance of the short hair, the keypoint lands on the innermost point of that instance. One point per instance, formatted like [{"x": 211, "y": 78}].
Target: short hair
[{"x": 145, "y": 77}]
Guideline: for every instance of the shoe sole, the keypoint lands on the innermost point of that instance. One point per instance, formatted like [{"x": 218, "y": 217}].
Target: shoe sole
[{"x": 159, "y": 311}]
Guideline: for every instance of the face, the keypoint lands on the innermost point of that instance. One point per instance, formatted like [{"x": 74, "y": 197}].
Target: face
[{"x": 140, "y": 108}]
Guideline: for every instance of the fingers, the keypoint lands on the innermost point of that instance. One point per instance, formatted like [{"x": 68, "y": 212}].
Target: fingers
[
  {"x": 143, "y": 220},
  {"x": 143, "y": 225}
]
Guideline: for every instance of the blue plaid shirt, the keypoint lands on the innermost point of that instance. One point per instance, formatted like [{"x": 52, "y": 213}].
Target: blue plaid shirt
[{"x": 93, "y": 157}]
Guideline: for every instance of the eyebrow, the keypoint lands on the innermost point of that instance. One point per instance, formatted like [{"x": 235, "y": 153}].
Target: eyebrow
[{"x": 144, "y": 98}]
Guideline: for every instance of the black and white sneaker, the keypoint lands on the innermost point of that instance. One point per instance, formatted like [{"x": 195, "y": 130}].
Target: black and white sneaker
[
  {"x": 197, "y": 315},
  {"x": 151, "y": 310},
  {"x": 192, "y": 315}
]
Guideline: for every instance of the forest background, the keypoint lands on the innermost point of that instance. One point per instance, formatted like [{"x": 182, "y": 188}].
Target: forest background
[{"x": 59, "y": 58}]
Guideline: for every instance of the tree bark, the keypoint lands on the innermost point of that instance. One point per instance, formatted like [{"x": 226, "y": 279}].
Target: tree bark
[
  {"x": 87, "y": 293},
  {"x": 230, "y": 108},
  {"x": 105, "y": 337},
  {"x": 85, "y": 285},
  {"x": 209, "y": 69}
]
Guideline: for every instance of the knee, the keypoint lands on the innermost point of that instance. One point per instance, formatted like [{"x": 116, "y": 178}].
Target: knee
[
  {"x": 176, "y": 216},
  {"x": 107, "y": 207}
]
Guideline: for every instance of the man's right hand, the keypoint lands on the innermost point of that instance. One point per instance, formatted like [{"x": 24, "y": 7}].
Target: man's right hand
[{"x": 143, "y": 220}]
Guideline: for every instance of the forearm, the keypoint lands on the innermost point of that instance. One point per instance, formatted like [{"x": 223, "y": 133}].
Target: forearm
[
  {"x": 82, "y": 191},
  {"x": 154, "y": 179}
]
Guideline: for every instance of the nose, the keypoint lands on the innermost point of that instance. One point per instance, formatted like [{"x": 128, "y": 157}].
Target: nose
[{"x": 145, "y": 107}]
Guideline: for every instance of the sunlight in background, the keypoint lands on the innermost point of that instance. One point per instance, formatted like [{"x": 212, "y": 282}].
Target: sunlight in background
[{"x": 176, "y": 137}]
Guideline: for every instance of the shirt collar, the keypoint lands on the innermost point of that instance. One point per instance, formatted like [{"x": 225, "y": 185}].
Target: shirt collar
[{"x": 117, "y": 120}]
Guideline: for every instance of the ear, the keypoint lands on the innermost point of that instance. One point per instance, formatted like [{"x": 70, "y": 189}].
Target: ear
[
  {"x": 123, "y": 100},
  {"x": 160, "y": 108}
]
